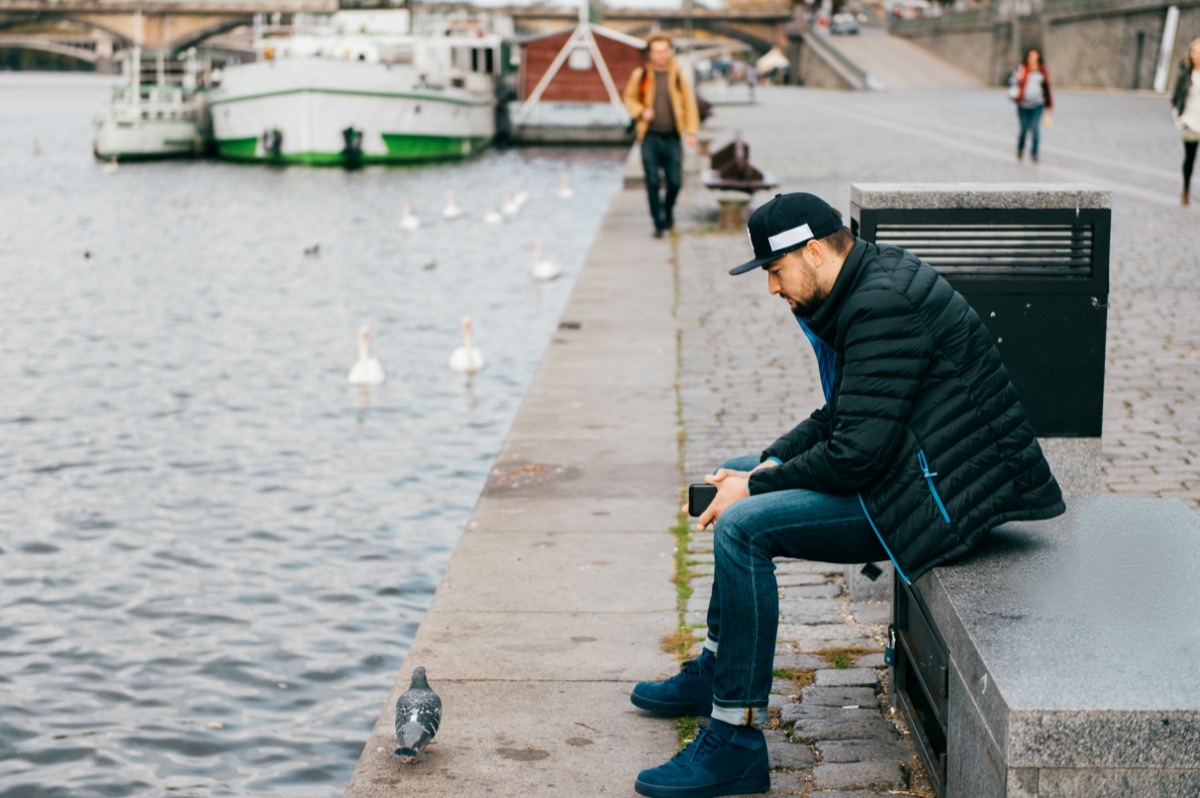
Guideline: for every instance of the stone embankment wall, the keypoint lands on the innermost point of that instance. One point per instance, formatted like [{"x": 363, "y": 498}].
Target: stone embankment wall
[{"x": 1087, "y": 44}]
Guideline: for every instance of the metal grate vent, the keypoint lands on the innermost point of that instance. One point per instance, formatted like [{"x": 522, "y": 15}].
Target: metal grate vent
[{"x": 1039, "y": 251}]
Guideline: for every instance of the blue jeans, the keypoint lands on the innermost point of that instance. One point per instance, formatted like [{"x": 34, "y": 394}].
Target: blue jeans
[
  {"x": 1031, "y": 119},
  {"x": 743, "y": 612},
  {"x": 662, "y": 161}
]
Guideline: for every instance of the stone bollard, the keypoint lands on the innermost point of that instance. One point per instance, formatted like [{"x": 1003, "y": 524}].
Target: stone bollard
[
  {"x": 732, "y": 216},
  {"x": 703, "y": 142}
]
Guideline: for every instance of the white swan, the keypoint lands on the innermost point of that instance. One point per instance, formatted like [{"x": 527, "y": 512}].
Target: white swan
[
  {"x": 543, "y": 269},
  {"x": 565, "y": 191},
  {"x": 521, "y": 197},
  {"x": 492, "y": 217},
  {"x": 407, "y": 220},
  {"x": 367, "y": 370},
  {"x": 510, "y": 207},
  {"x": 451, "y": 211},
  {"x": 466, "y": 358}
]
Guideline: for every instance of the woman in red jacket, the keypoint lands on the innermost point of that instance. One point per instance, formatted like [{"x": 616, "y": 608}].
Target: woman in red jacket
[{"x": 1033, "y": 97}]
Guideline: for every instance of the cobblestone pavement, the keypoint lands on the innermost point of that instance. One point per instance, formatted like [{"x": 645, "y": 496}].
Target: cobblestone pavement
[{"x": 747, "y": 374}]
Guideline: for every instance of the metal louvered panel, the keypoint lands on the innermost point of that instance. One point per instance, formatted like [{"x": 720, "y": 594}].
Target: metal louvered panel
[{"x": 1001, "y": 250}]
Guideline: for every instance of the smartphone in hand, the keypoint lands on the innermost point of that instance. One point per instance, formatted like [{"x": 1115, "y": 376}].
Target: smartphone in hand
[{"x": 700, "y": 495}]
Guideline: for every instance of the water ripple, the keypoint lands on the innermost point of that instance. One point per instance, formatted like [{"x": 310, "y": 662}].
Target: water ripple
[{"x": 214, "y": 552}]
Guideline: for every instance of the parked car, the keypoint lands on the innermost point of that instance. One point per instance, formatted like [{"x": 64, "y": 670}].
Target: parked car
[{"x": 843, "y": 23}]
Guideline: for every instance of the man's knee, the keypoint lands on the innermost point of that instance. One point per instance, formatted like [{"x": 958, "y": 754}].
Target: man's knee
[{"x": 732, "y": 532}]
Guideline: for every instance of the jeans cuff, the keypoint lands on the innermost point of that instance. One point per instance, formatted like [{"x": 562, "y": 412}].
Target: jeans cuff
[
  {"x": 740, "y": 716},
  {"x": 711, "y": 645}
]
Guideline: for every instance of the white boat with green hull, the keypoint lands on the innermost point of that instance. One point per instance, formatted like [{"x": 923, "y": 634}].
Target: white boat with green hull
[
  {"x": 158, "y": 116},
  {"x": 331, "y": 98}
]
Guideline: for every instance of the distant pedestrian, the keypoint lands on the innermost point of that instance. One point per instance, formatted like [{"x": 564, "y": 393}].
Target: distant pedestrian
[
  {"x": 1031, "y": 91},
  {"x": 662, "y": 118},
  {"x": 1185, "y": 108}
]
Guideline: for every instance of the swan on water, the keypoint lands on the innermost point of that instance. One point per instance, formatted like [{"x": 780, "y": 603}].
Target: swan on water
[
  {"x": 407, "y": 220},
  {"x": 451, "y": 211},
  {"x": 510, "y": 207},
  {"x": 367, "y": 370},
  {"x": 466, "y": 358},
  {"x": 543, "y": 269},
  {"x": 565, "y": 191},
  {"x": 521, "y": 197},
  {"x": 492, "y": 217}
]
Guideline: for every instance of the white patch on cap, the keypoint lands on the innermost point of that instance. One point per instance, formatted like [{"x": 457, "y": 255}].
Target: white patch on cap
[
  {"x": 790, "y": 237},
  {"x": 750, "y": 238}
]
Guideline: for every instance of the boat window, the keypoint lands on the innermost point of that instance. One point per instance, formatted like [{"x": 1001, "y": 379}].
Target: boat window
[
  {"x": 489, "y": 61},
  {"x": 580, "y": 59}
]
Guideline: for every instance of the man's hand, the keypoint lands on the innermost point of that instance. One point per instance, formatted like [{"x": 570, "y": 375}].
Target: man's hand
[
  {"x": 648, "y": 114},
  {"x": 691, "y": 140},
  {"x": 731, "y": 486}
]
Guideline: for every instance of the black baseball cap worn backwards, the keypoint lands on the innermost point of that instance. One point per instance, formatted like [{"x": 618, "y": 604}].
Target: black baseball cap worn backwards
[{"x": 785, "y": 223}]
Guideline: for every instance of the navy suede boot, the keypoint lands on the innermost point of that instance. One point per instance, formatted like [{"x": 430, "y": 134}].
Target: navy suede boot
[
  {"x": 688, "y": 692},
  {"x": 722, "y": 760}
]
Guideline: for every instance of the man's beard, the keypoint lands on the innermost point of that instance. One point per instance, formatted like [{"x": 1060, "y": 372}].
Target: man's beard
[{"x": 805, "y": 309}]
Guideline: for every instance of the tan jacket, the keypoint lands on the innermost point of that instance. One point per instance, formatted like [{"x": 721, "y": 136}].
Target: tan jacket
[{"x": 683, "y": 99}]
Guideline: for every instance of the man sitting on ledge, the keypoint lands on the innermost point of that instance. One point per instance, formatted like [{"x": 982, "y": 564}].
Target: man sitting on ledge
[{"x": 920, "y": 449}]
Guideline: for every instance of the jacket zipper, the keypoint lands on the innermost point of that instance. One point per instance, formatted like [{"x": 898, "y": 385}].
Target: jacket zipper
[{"x": 929, "y": 475}]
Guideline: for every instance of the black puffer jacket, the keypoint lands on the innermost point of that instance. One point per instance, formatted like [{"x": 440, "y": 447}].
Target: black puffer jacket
[
  {"x": 921, "y": 416},
  {"x": 1183, "y": 84}
]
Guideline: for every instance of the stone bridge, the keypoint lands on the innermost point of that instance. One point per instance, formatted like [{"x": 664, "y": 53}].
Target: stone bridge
[
  {"x": 174, "y": 25},
  {"x": 167, "y": 25}
]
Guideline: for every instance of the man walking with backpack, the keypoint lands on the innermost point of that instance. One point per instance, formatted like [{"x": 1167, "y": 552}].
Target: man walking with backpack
[{"x": 662, "y": 103}]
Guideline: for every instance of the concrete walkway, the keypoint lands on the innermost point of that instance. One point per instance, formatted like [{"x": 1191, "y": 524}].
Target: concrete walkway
[
  {"x": 559, "y": 593},
  {"x": 558, "y": 596}
]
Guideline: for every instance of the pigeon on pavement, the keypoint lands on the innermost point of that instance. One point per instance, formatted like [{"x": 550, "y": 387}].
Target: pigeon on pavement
[{"x": 418, "y": 714}]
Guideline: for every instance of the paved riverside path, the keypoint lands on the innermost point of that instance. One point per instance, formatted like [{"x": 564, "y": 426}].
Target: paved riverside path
[{"x": 556, "y": 598}]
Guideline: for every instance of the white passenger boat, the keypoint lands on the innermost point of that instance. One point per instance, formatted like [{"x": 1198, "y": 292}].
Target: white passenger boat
[
  {"x": 359, "y": 89},
  {"x": 152, "y": 116}
]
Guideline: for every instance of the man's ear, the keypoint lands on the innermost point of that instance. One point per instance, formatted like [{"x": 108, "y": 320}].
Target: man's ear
[{"x": 816, "y": 251}]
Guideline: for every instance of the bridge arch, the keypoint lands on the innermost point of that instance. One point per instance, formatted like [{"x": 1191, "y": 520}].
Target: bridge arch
[
  {"x": 45, "y": 46},
  {"x": 14, "y": 20},
  {"x": 215, "y": 28}
]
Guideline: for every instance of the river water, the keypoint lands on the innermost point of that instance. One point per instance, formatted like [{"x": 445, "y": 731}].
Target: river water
[{"x": 214, "y": 551}]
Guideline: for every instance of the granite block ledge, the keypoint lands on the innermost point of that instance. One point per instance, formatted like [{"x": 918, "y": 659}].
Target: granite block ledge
[{"x": 945, "y": 196}]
